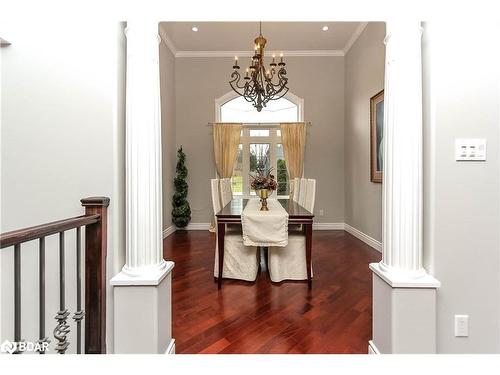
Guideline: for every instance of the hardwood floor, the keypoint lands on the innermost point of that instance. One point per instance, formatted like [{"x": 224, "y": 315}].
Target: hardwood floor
[{"x": 265, "y": 317}]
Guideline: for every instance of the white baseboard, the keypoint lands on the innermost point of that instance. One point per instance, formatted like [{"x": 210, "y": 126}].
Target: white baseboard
[
  {"x": 372, "y": 242},
  {"x": 377, "y": 245},
  {"x": 198, "y": 226},
  {"x": 171, "y": 347},
  {"x": 168, "y": 231},
  {"x": 372, "y": 349},
  {"x": 328, "y": 226}
]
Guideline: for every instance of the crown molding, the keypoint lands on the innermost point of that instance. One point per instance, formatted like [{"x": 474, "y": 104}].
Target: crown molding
[
  {"x": 168, "y": 42},
  {"x": 355, "y": 35},
  {"x": 294, "y": 53}
]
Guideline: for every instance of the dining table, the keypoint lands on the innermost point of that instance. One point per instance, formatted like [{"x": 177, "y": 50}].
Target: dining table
[{"x": 297, "y": 216}]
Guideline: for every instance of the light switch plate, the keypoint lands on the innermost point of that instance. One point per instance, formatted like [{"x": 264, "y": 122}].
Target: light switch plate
[
  {"x": 470, "y": 149},
  {"x": 461, "y": 325}
]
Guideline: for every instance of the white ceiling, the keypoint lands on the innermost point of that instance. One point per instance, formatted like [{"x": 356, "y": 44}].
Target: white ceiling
[{"x": 281, "y": 36}]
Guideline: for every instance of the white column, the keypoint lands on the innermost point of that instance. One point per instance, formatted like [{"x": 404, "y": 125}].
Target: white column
[
  {"x": 403, "y": 293},
  {"x": 402, "y": 186},
  {"x": 142, "y": 300},
  {"x": 143, "y": 151}
]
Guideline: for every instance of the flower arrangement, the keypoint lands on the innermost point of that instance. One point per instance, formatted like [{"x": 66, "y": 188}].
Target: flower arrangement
[{"x": 263, "y": 179}]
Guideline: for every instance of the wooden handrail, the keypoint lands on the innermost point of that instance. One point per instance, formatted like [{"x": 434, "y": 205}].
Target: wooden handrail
[
  {"x": 95, "y": 223},
  {"x": 32, "y": 233}
]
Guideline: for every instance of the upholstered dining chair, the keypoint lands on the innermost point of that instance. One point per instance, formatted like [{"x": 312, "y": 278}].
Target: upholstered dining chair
[
  {"x": 216, "y": 203},
  {"x": 240, "y": 261},
  {"x": 226, "y": 192},
  {"x": 310, "y": 195},
  {"x": 302, "y": 191},
  {"x": 296, "y": 189},
  {"x": 289, "y": 262}
]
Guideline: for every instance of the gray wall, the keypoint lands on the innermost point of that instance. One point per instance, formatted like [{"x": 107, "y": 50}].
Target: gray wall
[
  {"x": 461, "y": 212},
  {"x": 319, "y": 80},
  {"x": 169, "y": 151},
  {"x": 62, "y": 139},
  {"x": 364, "y": 77}
]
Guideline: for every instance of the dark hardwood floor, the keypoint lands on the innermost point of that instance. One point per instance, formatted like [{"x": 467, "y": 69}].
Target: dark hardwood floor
[{"x": 265, "y": 317}]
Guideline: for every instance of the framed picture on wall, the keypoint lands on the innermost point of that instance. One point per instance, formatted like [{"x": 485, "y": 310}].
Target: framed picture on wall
[{"x": 376, "y": 136}]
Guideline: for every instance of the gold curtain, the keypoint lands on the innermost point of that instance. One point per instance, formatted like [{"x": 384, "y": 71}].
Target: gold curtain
[
  {"x": 293, "y": 138},
  {"x": 226, "y": 142}
]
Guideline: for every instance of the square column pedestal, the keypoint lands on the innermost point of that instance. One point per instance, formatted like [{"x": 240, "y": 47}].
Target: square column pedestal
[
  {"x": 404, "y": 313},
  {"x": 143, "y": 313}
]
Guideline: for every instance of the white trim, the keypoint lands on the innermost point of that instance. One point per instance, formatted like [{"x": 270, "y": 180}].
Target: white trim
[
  {"x": 355, "y": 35},
  {"x": 171, "y": 347},
  {"x": 372, "y": 349},
  {"x": 168, "y": 42},
  {"x": 398, "y": 278},
  {"x": 220, "y": 101},
  {"x": 147, "y": 276},
  {"x": 328, "y": 226},
  {"x": 370, "y": 241},
  {"x": 168, "y": 231},
  {"x": 248, "y": 53},
  {"x": 198, "y": 226}
]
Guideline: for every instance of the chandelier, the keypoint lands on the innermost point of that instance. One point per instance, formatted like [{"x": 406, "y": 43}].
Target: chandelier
[{"x": 260, "y": 85}]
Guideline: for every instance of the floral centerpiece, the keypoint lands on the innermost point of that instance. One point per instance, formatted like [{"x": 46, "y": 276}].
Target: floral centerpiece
[{"x": 263, "y": 182}]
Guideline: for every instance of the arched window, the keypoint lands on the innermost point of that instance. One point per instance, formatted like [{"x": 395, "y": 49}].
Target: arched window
[{"x": 260, "y": 137}]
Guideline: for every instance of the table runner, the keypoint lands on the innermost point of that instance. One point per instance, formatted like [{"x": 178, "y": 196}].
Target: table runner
[{"x": 264, "y": 228}]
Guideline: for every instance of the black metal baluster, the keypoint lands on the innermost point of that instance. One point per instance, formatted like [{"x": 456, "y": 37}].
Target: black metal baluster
[
  {"x": 79, "y": 312},
  {"x": 43, "y": 340},
  {"x": 17, "y": 295},
  {"x": 62, "y": 328}
]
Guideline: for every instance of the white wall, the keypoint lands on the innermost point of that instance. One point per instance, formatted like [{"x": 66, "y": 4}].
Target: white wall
[
  {"x": 364, "y": 77},
  {"x": 62, "y": 139},
  {"x": 461, "y": 200}
]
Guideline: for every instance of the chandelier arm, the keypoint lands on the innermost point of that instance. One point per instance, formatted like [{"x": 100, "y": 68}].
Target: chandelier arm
[
  {"x": 236, "y": 80},
  {"x": 282, "y": 94}
]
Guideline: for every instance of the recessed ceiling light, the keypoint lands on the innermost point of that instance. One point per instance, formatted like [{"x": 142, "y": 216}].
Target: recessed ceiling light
[
  {"x": 194, "y": 28},
  {"x": 324, "y": 28}
]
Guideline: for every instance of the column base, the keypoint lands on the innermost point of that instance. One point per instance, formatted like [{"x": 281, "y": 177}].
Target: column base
[
  {"x": 143, "y": 313},
  {"x": 404, "y": 313}
]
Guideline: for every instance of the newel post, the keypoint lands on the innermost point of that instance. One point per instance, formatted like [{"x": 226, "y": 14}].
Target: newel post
[{"x": 96, "y": 240}]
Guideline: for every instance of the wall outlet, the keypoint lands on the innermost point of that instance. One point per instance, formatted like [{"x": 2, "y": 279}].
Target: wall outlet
[
  {"x": 321, "y": 212},
  {"x": 461, "y": 325}
]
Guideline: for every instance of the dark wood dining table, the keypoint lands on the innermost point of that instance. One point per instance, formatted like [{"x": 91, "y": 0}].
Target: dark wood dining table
[{"x": 231, "y": 214}]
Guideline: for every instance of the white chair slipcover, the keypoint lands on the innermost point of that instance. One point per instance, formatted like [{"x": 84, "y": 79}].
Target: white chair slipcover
[
  {"x": 226, "y": 193},
  {"x": 216, "y": 205},
  {"x": 310, "y": 195},
  {"x": 296, "y": 189},
  {"x": 302, "y": 191},
  {"x": 240, "y": 262},
  {"x": 289, "y": 262}
]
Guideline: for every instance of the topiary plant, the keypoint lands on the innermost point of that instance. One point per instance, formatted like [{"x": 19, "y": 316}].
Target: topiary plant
[{"x": 181, "y": 212}]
